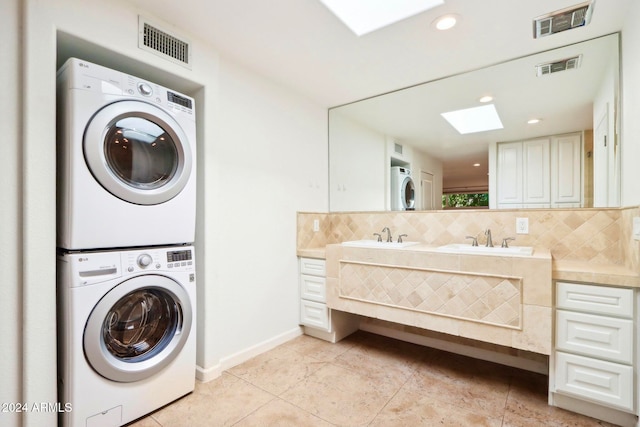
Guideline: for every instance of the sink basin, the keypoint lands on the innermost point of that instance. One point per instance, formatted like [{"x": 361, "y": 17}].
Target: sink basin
[
  {"x": 462, "y": 248},
  {"x": 376, "y": 244}
]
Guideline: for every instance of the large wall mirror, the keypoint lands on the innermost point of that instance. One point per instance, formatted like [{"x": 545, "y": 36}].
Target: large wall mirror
[{"x": 569, "y": 158}]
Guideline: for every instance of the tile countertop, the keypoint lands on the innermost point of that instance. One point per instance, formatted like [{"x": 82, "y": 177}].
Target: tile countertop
[{"x": 573, "y": 271}]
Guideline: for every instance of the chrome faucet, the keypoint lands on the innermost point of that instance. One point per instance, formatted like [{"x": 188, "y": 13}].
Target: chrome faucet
[
  {"x": 400, "y": 237},
  {"x": 379, "y": 236},
  {"x": 505, "y": 241},
  {"x": 489, "y": 240},
  {"x": 389, "y": 238},
  {"x": 474, "y": 242}
]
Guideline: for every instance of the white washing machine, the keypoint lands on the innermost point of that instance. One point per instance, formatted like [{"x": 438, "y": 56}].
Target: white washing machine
[
  {"x": 126, "y": 160},
  {"x": 126, "y": 333},
  {"x": 402, "y": 189}
]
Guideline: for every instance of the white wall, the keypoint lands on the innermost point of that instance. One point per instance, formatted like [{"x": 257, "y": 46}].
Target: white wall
[
  {"x": 260, "y": 150},
  {"x": 270, "y": 161},
  {"x": 606, "y": 167},
  {"x": 10, "y": 213},
  {"x": 631, "y": 106},
  {"x": 359, "y": 167}
]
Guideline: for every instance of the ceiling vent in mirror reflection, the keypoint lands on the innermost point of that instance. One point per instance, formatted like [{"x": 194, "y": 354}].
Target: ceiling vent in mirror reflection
[
  {"x": 557, "y": 66},
  {"x": 564, "y": 19}
]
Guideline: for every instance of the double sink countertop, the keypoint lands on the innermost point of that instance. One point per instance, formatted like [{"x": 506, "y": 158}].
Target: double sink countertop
[{"x": 574, "y": 271}]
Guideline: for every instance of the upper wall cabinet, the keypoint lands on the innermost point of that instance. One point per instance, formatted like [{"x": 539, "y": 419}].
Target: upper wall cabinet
[{"x": 540, "y": 173}]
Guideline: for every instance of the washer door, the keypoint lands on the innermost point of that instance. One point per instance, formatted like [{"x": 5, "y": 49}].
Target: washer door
[
  {"x": 408, "y": 193},
  {"x": 137, "y": 152},
  {"x": 138, "y": 328}
]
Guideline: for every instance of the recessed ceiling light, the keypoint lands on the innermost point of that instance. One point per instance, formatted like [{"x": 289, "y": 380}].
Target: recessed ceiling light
[
  {"x": 476, "y": 165},
  {"x": 446, "y": 22},
  {"x": 486, "y": 98},
  {"x": 477, "y": 119},
  {"x": 365, "y": 16},
  {"x": 534, "y": 121}
]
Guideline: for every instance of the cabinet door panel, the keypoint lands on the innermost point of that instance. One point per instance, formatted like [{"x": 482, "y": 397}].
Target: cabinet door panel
[
  {"x": 313, "y": 266},
  {"x": 597, "y": 380},
  {"x": 593, "y": 335},
  {"x": 314, "y": 314},
  {"x": 510, "y": 173},
  {"x": 537, "y": 169},
  {"x": 313, "y": 288},
  {"x": 595, "y": 299},
  {"x": 567, "y": 182}
]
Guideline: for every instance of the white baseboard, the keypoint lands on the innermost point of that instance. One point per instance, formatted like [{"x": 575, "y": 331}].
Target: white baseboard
[
  {"x": 213, "y": 372},
  {"x": 465, "y": 350}
]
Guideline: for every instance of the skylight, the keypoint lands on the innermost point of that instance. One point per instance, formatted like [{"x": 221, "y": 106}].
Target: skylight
[
  {"x": 365, "y": 16},
  {"x": 476, "y": 119}
]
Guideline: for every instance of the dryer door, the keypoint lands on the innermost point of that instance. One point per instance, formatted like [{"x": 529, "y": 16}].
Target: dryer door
[
  {"x": 138, "y": 328},
  {"x": 137, "y": 152},
  {"x": 408, "y": 191}
]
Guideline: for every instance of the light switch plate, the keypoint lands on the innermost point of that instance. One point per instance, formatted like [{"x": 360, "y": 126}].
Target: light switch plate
[
  {"x": 316, "y": 225},
  {"x": 522, "y": 225}
]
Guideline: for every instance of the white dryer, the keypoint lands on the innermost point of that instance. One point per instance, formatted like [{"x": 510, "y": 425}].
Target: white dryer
[
  {"x": 126, "y": 160},
  {"x": 126, "y": 333},
  {"x": 402, "y": 189}
]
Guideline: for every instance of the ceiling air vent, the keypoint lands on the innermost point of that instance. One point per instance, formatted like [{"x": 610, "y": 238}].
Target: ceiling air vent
[
  {"x": 564, "y": 19},
  {"x": 557, "y": 66},
  {"x": 162, "y": 43}
]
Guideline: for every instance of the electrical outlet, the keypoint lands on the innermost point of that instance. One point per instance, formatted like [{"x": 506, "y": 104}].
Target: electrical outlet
[
  {"x": 316, "y": 225},
  {"x": 522, "y": 225}
]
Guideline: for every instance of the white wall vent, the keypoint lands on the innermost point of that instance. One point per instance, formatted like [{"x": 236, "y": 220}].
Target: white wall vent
[
  {"x": 397, "y": 148},
  {"x": 564, "y": 19},
  {"x": 557, "y": 66},
  {"x": 162, "y": 43}
]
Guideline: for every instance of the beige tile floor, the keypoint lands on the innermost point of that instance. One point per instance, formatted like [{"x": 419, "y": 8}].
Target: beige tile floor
[{"x": 366, "y": 380}]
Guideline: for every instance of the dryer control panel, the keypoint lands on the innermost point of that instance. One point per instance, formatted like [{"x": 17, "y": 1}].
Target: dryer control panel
[{"x": 93, "y": 77}]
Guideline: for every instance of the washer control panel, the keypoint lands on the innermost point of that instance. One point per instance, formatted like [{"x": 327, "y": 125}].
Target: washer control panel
[
  {"x": 158, "y": 259},
  {"x": 87, "y": 268}
]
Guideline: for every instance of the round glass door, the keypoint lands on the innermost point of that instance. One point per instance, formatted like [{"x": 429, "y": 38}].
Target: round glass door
[
  {"x": 137, "y": 152},
  {"x": 141, "y": 324},
  {"x": 408, "y": 193},
  {"x": 140, "y": 152},
  {"x": 137, "y": 328}
]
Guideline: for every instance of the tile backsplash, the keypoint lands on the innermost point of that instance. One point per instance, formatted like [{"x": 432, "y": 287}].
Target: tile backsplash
[{"x": 601, "y": 236}]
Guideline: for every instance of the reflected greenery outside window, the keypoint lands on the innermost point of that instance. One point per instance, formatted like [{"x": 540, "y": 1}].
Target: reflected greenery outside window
[{"x": 458, "y": 201}]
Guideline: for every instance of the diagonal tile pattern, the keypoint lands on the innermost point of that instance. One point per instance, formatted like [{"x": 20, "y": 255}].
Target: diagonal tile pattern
[
  {"x": 481, "y": 298},
  {"x": 366, "y": 380},
  {"x": 592, "y": 235}
]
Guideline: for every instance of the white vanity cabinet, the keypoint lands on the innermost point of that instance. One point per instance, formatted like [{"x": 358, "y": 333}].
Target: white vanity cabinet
[
  {"x": 313, "y": 302},
  {"x": 540, "y": 173},
  {"x": 316, "y": 317},
  {"x": 594, "y": 355}
]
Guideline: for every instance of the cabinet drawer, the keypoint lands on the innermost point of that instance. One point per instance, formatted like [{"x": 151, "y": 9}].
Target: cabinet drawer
[
  {"x": 592, "y": 335},
  {"x": 313, "y": 288},
  {"x": 312, "y": 266},
  {"x": 314, "y": 314},
  {"x": 595, "y": 299},
  {"x": 605, "y": 382}
]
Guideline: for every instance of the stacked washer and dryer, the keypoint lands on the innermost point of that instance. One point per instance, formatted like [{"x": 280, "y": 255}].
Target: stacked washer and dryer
[{"x": 126, "y": 264}]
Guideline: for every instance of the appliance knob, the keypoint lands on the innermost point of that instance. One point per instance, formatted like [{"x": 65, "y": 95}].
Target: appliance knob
[
  {"x": 145, "y": 89},
  {"x": 144, "y": 260}
]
